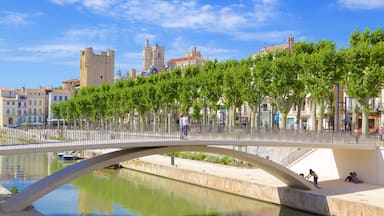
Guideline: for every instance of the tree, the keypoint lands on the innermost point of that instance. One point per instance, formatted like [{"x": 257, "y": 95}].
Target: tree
[
  {"x": 365, "y": 63},
  {"x": 211, "y": 88},
  {"x": 321, "y": 74},
  {"x": 284, "y": 81}
]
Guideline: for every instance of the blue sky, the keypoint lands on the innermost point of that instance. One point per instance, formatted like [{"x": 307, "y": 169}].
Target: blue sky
[{"x": 40, "y": 41}]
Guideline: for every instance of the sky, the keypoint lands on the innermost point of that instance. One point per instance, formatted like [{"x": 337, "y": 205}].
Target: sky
[{"x": 40, "y": 41}]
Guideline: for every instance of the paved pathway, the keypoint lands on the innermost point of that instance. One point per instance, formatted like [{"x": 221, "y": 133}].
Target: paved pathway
[{"x": 332, "y": 188}]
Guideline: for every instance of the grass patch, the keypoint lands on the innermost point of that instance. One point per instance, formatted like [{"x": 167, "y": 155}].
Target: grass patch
[{"x": 211, "y": 158}]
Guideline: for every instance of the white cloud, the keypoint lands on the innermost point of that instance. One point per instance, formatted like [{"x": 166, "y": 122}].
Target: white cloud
[
  {"x": 141, "y": 37},
  {"x": 264, "y": 10},
  {"x": 20, "y": 58},
  {"x": 16, "y": 18},
  {"x": 63, "y": 2},
  {"x": 98, "y": 4},
  {"x": 100, "y": 32},
  {"x": 184, "y": 14},
  {"x": 268, "y": 37},
  {"x": 129, "y": 60},
  {"x": 54, "y": 50},
  {"x": 362, "y": 4}
]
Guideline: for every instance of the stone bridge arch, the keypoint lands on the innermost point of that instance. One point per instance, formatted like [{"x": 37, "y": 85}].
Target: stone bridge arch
[{"x": 42, "y": 187}]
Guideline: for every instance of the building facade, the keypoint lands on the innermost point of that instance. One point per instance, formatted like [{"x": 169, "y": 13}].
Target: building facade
[
  {"x": 56, "y": 96},
  {"x": 192, "y": 58},
  {"x": 96, "y": 69},
  {"x": 37, "y": 106},
  {"x": 8, "y": 108}
]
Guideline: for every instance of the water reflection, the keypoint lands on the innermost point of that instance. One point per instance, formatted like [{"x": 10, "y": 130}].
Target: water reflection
[{"x": 126, "y": 192}]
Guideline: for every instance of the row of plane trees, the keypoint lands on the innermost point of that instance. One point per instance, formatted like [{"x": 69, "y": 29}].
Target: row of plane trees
[{"x": 311, "y": 69}]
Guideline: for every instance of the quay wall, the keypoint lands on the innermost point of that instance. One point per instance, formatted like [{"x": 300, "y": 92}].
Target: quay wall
[
  {"x": 291, "y": 197},
  {"x": 310, "y": 201}
]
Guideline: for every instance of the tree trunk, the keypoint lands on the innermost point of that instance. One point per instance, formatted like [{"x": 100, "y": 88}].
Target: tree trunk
[
  {"x": 364, "y": 122},
  {"x": 354, "y": 115},
  {"x": 320, "y": 124},
  {"x": 283, "y": 123},
  {"x": 298, "y": 115},
  {"x": 313, "y": 116}
]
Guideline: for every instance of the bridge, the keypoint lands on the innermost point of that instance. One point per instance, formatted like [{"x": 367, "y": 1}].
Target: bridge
[{"x": 135, "y": 145}]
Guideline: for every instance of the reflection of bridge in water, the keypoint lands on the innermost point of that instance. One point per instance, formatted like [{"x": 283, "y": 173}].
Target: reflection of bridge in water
[{"x": 138, "y": 144}]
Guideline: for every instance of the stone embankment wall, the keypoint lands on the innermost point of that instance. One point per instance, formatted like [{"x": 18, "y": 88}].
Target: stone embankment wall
[
  {"x": 298, "y": 199},
  {"x": 311, "y": 201}
]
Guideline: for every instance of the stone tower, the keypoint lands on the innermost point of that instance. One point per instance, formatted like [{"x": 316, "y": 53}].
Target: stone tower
[
  {"x": 96, "y": 69},
  {"x": 153, "y": 57}
]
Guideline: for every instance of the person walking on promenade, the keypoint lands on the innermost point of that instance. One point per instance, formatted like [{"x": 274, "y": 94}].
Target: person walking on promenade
[
  {"x": 315, "y": 177},
  {"x": 181, "y": 126},
  {"x": 185, "y": 123},
  {"x": 357, "y": 133}
]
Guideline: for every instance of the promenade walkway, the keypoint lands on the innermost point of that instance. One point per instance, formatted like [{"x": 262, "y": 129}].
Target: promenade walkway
[{"x": 354, "y": 199}]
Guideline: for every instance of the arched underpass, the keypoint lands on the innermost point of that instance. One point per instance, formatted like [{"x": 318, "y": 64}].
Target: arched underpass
[{"x": 27, "y": 196}]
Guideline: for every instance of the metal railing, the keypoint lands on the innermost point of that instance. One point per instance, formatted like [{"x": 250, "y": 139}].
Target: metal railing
[{"x": 22, "y": 136}]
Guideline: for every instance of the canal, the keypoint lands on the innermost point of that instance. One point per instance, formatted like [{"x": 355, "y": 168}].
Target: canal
[{"x": 126, "y": 192}]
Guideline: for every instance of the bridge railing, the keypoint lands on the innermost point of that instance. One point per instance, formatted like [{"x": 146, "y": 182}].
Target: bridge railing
[{"x": 67, "y": 134}]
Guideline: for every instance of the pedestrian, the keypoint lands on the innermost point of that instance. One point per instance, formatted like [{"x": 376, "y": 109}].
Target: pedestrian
[
  {"x": 315, "y": 177},
  {"x": 357, "y": 133},
  {"x": 185, "y": 125},
  {"x": 181, "y": 127}
]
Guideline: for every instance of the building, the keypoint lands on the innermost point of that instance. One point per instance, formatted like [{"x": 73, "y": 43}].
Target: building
[
  {"x": 192, "y": 58},
  {"x": 37, "y": 105},
  {"x": 56, "y": 96},
  {"x": 70, "y": 84},
  {"x": 96, "y": 69},
  {"x": 8, "y": 108},
  {"x": 153, "y": 58},
  {"x": 286, "y": 46},
  {"x": 21, "y": 108}
]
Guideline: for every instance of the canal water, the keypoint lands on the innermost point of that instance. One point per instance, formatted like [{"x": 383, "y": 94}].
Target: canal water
[{"x": 126, "y": 192}]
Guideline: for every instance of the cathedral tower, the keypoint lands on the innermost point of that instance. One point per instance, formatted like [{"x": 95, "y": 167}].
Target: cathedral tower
[{"x": 153, "y": 57}]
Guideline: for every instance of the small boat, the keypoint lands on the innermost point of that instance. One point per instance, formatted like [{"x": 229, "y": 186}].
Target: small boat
[
  {"x": 114, "y": 166},
  {"x": 68, "y": 155}
]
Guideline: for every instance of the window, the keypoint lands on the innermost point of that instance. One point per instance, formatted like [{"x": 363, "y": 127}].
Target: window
[
  {"x": 40, "y": 102},
  {"x": 60, "y": 98},
  {"x": 55, "y": 98},
  {"x": 34, "y": 111},
  {"x": 34, "y": 102},
  {"x": 65, "y": 97}
]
